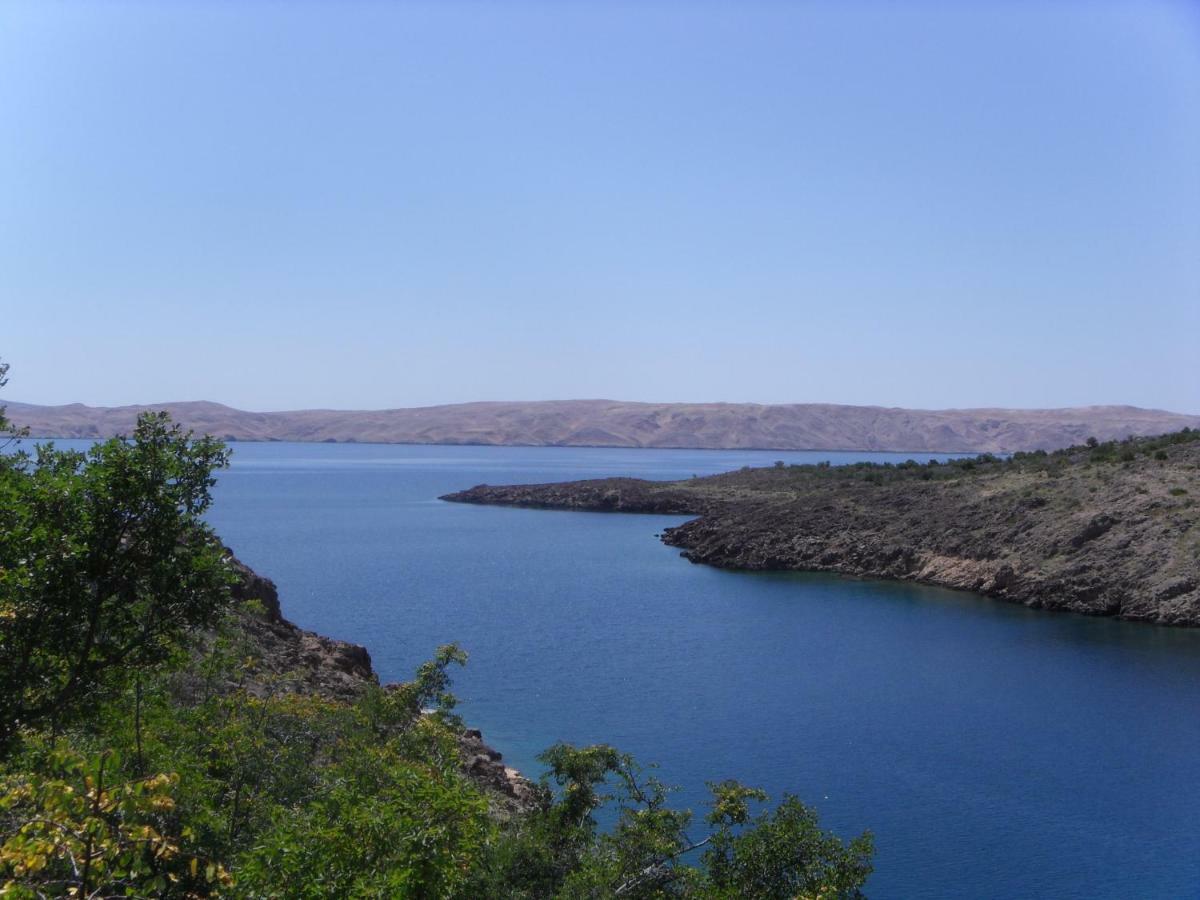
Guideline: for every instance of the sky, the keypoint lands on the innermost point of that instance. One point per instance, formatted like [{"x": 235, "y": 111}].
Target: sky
[{"x": 281, "y": 205}]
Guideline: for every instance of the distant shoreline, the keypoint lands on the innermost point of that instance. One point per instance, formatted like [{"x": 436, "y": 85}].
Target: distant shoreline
[
  {"x": 352, "y": 441},
  {"x": 604, "y": 424}
]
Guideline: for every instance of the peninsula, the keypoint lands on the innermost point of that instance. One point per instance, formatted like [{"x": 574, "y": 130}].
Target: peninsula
[
  {"x": 610, "y": 423},
  {"x": 1108, "y": 529}
]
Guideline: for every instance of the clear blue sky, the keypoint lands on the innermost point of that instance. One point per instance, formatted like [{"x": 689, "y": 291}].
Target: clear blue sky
[{"x": 352, "y": 204}]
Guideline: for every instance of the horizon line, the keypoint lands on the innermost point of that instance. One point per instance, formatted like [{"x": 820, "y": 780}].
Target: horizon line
[{"x": 594, "y": 400}]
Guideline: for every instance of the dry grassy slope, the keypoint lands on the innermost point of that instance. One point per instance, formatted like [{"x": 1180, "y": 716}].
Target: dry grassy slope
[
  {"x": 1064, "y": 532},
  {"x": 619, "y": 424}
]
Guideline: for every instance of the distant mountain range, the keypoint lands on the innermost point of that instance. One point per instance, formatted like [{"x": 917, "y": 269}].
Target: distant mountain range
[{"x": 607, "y": 423}]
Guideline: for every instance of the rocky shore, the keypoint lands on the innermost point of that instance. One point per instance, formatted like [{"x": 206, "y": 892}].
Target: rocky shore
[
  {"x": 289, "y": 658},
  {"x": 1109, "y": 530}
]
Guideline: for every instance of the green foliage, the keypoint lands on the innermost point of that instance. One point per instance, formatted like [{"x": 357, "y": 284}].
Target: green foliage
[
  {"x": 9, "y": 434},
  {"x": 76, "y": 827},
  {"x": 430, "y": 689},
  {"x": 105, "y": 567},
  {"x": 296, "y": 795},
  {"x": 780, "y": 854},
  {"x": 385, "y": 827},
  {"x": 559, "y": 851}
]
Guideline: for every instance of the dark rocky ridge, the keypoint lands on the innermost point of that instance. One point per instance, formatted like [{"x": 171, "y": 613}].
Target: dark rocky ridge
[
  {"x": 610, "y": 423},
  {"x": 304, "y": 662},
  {"x": 1110, "y": 531}
]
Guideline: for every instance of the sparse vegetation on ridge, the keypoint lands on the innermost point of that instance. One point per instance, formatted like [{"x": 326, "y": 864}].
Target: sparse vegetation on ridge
[{"x": 1103, "y": 528}]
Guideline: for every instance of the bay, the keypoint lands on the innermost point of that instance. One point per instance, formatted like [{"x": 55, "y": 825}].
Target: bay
[{"x": 994, "y": 751}]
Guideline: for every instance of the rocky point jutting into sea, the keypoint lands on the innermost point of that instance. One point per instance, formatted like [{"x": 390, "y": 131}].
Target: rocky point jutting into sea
[
  {"x": 303, "y": 662},
  {"x": 1104, "y": 529}
]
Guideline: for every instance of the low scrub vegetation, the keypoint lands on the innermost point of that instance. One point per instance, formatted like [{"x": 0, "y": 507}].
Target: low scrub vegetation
[{"x": 1124, "y": 451}]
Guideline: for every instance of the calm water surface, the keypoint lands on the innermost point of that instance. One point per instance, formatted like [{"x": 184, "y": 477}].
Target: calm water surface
[{"x": 994, "y": 751}]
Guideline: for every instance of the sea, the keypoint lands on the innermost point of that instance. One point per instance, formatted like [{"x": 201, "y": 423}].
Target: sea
[{"x": 993, "y": 751}]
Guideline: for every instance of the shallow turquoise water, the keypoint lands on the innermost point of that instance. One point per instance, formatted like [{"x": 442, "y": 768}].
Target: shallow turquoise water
[{"x": 993, "y": 750}]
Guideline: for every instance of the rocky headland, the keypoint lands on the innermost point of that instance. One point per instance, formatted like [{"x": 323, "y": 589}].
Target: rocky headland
[
  {"x": 288, "y": 658},
  {"x": 1108, "y": 529}
]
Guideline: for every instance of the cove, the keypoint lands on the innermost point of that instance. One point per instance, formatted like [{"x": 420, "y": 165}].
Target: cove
[{"x": 993, "y": 750}]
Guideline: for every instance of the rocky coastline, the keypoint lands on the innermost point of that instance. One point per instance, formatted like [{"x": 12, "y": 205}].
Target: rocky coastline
[
  {"x": 289, "y": 658},
  {"x": 1105, "y": 530}
]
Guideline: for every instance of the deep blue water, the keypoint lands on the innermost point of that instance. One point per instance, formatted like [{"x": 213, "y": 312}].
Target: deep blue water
[{"x": 994, "y": 751}]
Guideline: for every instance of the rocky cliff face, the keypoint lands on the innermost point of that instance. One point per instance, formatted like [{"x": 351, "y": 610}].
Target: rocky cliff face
[
  {"x": 1104, "y": 531},
  {"x": 306, "y": 662}
]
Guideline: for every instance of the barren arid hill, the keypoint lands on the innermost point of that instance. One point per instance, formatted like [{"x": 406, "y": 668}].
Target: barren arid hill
[{"x": 606, "y": 423}]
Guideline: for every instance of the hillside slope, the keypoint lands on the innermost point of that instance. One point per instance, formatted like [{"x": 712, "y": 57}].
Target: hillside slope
[
  {"x": 1112, "y": 530},
  {"x": 604, "y": 423}
]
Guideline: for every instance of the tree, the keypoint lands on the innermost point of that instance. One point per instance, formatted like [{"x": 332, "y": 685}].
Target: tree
[
  {"x": 105, "y": 566},
  {"x": 560, "y": 850},
  {"x": 779, "y": 854},
  {"x": 8, "y": 432},
  {"x": 84, "y": 831},
  {"x": 5, "y": 425}
]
